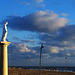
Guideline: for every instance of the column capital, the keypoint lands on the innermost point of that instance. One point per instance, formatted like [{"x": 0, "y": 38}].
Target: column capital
[{"x": 4, "y": 43}]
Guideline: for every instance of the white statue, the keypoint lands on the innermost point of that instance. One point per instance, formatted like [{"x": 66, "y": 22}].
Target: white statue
[{"x": 4, "y": 36}]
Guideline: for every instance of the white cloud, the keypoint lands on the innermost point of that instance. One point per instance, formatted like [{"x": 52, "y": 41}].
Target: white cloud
[
  {"x": 33, "y": 3},
  {"x": 45, "y": 55},
  {"x": 53, "y": 49},
  {"x": 38, "y": 1},
  {"x": 22, "y": 47},
  {"x": 48, "y": 21},
  {"x": 33, "y": 51},
  {"x": 24, "y": 50},
  {"x": 19, "y": 47},
  {"x": 68, "y": 54},
  {"x": 25, "y": 2},
  {"x": 64, "y": 14}
]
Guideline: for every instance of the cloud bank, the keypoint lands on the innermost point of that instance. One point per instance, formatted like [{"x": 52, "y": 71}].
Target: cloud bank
[
  {"x": 57, "y": 36},
  {"x": 61, "y": 42},
  {"x": 40, "y": 21}
]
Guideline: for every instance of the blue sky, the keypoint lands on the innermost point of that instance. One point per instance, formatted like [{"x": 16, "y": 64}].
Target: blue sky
[{"x": 32, "y": 22}]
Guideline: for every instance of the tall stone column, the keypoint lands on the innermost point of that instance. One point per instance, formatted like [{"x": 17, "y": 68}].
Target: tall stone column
[{"x": 4, "y": 58}]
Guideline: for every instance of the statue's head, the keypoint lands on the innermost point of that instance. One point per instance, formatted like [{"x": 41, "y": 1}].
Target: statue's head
[{"x": 6, "y": 23}]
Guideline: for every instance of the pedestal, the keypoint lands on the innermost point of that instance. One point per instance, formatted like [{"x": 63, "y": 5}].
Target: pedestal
[{"x": 4, "y": 58}]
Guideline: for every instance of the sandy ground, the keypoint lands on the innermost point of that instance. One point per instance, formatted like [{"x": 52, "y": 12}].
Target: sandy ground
[{"x": 20, "y": 71}]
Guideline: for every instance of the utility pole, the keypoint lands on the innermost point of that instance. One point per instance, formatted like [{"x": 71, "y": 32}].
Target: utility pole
[
  {"x": 66, "y": 63},
  {"x": 40, "y": 55},
  {"x": 27, "y": 62}
]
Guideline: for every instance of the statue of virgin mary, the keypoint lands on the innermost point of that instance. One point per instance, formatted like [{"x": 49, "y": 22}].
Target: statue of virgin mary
[{"x": 4, "y": 35}]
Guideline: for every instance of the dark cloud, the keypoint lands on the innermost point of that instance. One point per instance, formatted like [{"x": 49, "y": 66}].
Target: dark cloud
[
  {"x": 16, "y": 38},
  {"x": 27, "y": 41},
  {"x": 55, "y": 34},
  {"x": 21, "y": 51},
  {"x": 59, "y": 42},
  {"x": 55, "y": 43},
  {"x": 63, "y": 34},
  {"x": 41, "y": 21}
]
